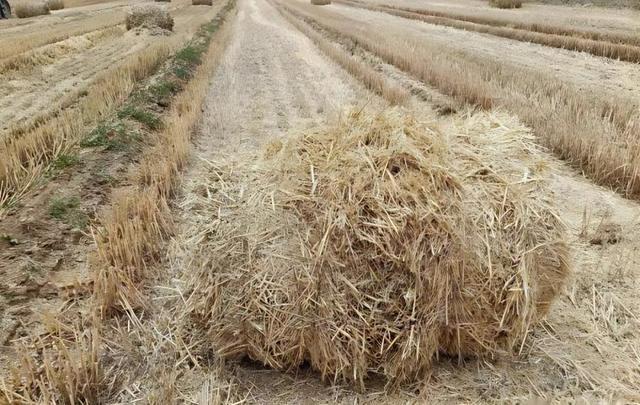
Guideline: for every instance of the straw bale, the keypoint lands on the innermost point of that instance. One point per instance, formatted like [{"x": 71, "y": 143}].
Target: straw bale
[
  {"x": 28, "y": 8},
  {"x": 149, "y": 16},
  {"x": 377, "y": 243}
]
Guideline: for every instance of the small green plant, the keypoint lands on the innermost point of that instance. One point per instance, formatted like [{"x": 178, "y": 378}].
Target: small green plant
[
  {"x": 67, "y": 210},
  {"x": 212, "y": 26},
  {"x": 146, "y": 118},
  {"x": 190, "y": 54},
  {"x": 113, "y": 136},
  {"x": 64, "y": 160},
  {"x": 60, "y": 206},
  {"x": 181, "y": 72},
  {"x": 163, "y": 89},
  {"x": 103, "y": 178}
]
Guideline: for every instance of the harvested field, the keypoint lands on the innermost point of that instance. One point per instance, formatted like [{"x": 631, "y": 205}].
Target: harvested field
[
  {"x": 366, "y": 202},
  {"x": 617, "y": 47},
  {"x": 614, "y": 25}
]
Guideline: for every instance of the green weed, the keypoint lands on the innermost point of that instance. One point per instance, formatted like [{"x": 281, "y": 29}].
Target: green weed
[
  {"x": 163, "y": 89},
  {"x": 67, "y": 209},
  {"x": 146, "y": 118},
  {"x": 113, "y": 136},
  {"x": 64, "y": 160}
]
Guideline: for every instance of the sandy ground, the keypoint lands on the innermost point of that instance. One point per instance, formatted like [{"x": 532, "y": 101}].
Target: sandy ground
[
  {"x": 583, "y": 70},
  {"x": 577, "y": 16},
  {"x": 36, "y": 90}
]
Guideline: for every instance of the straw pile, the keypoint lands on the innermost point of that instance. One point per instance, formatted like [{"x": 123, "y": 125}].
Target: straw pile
[
  {"x": 202, "y": 2},
  {"x": 28, "y": 8},
  {"x": 505, "y": 3},
  {"x": 55, "y": 4},
  {"x": 375, "y": 244},
  {"x": 149, "y": 16}
]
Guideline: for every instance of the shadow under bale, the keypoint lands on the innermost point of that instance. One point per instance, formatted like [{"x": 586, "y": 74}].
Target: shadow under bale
[{"x": 372, "y": 245}]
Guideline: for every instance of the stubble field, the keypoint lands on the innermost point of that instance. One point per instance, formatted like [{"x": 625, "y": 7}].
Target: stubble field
[{"x": 151, "y": 214}]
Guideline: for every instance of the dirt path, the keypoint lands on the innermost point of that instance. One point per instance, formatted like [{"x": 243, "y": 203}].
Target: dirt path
[
  {"x": 272, "y": 79},
  {"x": 30, "y": 92}
]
